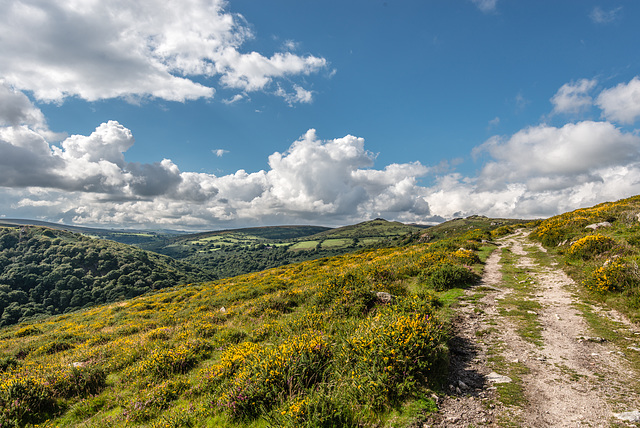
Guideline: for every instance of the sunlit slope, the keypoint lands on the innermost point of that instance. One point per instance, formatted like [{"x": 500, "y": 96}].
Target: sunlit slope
[
  {"x": 309, "y": 344},
  {"x": 601, "y": 249}
]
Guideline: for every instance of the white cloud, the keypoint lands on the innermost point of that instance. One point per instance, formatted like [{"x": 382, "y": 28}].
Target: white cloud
[
  {"x": 219, "y": 152},
  {"x": 545, "y": 154},
  {"x": 300, "y": 95},
  {"x": 573, "y": 97},
  {"x": 89, "y": 179},
  {"x": 600, "y": 16},
  {"x": 622, "y": 103},
  {"x": 486, "y": 5},
  {"x": 109, "y": 48},
  {"x": 538, "y": 171},
  {"x": 234, "y": 99},
  {"x": 542, "y": 171}
]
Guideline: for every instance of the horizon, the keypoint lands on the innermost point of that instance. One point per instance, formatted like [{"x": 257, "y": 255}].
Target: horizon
[{"x": 215, "y": 115}]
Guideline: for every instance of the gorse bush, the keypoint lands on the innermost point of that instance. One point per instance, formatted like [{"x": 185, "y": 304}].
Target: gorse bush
[
  {"x": 614, "y": 275},
  {"x": 308, "y": 344},
  {"x": 590, "y": 246}
]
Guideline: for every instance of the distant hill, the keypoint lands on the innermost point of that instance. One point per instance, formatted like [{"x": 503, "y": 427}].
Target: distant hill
[
  {"x": 237, "y": 251},
  {"x": 461, "y": 225},
  {"x": 125, "y": 236},
  {"x": 45, "y": 271}
]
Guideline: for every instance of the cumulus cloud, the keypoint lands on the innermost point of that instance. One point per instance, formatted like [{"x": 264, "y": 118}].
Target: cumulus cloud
[
  {"x": 573, "y": 97},
  {"x": 622, "y": 103},
  {"x": 542, "y": 171},
  {"x": 220, "y": 152},
  {"x": 89, "y": 179},
  {"x": 545, "y": 157},
  {"x": 105, "y": 49},
  {"x": 538, "y": 171},
  {"x": 300, "y": 95}
]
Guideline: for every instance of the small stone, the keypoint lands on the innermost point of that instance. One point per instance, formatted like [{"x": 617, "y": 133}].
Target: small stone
[
  {"x": 384, "y": 297},
  {"x": 494, "y": 377},
  {"x": 633, "y": 416},
  {"x": 532, "y": 312},
  {"x": 633, "y": 348},
  {"x": 462, "y": 385},
  {"x": 223, "y": 309}
]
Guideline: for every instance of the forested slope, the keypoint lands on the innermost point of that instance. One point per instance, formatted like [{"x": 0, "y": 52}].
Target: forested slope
[{"x": 45, "y": 272}]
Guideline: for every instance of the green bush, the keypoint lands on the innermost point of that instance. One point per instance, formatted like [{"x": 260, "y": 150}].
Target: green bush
[{"x": 444, "y": 276}]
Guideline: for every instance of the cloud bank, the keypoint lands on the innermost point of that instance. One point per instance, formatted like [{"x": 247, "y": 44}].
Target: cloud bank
[
  {"x": 100, "y": 49},
  {"x": 538, "y": 171}
]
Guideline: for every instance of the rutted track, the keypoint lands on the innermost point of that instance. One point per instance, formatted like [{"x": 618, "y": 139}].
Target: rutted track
[{"x": 565, "y": 378}]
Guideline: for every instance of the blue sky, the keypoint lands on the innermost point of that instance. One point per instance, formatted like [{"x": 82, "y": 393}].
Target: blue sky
[{"x": 209, "y": 114}]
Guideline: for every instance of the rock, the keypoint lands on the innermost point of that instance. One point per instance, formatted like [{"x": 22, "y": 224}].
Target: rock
[
  {"x": 494, "y": 377},
  {"x": 462, "y": 385},
  {"x": 591, "y": 339},
  {"x": 223, "y": 309},
  {"x": 633, "y": 348},
  {"x": 384, "y": 297},
  {"x": 633, "y": 416},
  {"x": 596, "y": 226}
]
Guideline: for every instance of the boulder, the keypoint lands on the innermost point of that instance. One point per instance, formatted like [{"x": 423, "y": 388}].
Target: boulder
[
  {"x": 596, "y": 226},
  {"x": 384, "y": 297}
]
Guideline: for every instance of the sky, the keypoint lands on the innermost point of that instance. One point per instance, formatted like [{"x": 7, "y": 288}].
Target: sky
[{"x": 212, "y": 114}]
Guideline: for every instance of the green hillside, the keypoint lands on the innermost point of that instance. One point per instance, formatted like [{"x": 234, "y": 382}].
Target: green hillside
[
  {"x": 600, "y": 247},
  {"x": 307, "y": 344},
  {"x": 46, "y": 272},
  {"x": 234, "y": 252}
]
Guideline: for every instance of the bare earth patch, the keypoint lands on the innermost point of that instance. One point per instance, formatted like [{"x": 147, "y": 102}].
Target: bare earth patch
[{"x": 560, "y": 374}]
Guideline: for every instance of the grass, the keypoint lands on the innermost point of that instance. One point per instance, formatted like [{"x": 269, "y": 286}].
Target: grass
[
  {"x": 520, "y": 305},
  {"x": 301, "y": 345}
]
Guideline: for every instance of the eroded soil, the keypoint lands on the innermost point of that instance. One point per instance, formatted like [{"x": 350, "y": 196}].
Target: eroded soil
[{"x": 524, "y": 356}]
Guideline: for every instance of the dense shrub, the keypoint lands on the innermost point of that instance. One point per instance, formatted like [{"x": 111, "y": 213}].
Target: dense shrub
[
  {"x": 447, "y": 275},
  {"x": 614, "y": 275},
  {"x": 590, "y": 246}
]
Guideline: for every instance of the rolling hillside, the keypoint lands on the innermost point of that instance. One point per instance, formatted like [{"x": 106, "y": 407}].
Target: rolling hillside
[
  {"x": 317, "y": 343},
  {"x": 360, "y": 339},
  {"x": 234, "y": 252},
  {"x": 45, "y": 272}
]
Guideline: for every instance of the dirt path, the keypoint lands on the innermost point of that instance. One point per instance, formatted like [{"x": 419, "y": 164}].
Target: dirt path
[{"x": 524, "y": 355}]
